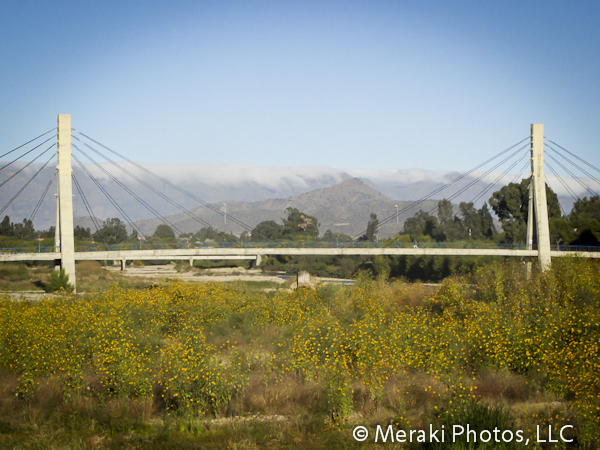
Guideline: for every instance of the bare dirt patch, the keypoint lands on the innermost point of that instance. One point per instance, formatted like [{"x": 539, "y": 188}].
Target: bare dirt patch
[
  {"x": 224, "y": 274},
  {"x": 197, "y": 275}
]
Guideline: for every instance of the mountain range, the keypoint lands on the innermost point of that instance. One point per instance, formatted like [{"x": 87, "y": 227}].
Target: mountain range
[
  {"x": 342, "y": 200},
  {"x": 345, "y": 207}
]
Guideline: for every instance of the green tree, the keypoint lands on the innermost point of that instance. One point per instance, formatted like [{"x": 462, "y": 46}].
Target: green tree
[
  {"x": 585, "y": 217},
  {"x": 113, "y": 231},
  {"x": 164, "y": 231},
  {"x": 581, "y": 226},
  {"x": 476, "y": 224},
  {"x": 445, "y": 215},
  {"x": 24, "y": 230},
  {"x": 450, "y": 227},
  {"x": 469, "y": 223},
  {"x": 486, "y": 222},
  {"x": 49, "y": 233},
  {"x": 6, "y": 227},
  {"x": 335, "y": 236},
  {"x": 421, "y": 224},
  {"x": 511, "y": 205},
  {"x": 299, "y": 224},
  {"x": 268, "y": 230},
  {"x": 82, "y": 233},
  {"x": 372, "y": 227},
  {"x": 212, "y": 235}
]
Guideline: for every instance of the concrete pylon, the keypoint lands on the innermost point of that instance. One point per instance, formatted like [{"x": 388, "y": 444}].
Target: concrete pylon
[
  {"x": 64, "y": 218},
  {"x": 540, "y": 203},
  {"x": 530, "y": 228}
]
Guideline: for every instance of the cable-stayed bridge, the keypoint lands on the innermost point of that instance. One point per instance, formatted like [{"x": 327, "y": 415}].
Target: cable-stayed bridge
[{"x": 526, "y": 154}]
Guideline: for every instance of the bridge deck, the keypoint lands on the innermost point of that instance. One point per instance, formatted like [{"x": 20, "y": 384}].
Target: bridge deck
[{"x": 251, "y": 252}]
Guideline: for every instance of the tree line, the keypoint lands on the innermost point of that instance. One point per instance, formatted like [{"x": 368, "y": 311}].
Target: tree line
[{"x": 449, "y": 223}]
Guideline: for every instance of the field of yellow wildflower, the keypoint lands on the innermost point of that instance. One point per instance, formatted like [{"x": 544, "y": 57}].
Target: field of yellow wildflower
[{"x": 225, "y": 366}]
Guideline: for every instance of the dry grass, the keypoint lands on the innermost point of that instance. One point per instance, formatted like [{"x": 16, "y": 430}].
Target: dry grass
[
  {"x": 288, "y": 396},
  {"x": 21, "y": 277},
  {"x": 403, "y": 293},
  {"x": 506, "y": 385}
]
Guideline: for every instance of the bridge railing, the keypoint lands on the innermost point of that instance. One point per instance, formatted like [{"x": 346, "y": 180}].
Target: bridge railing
[
  {"x": 365, "y": 244},
  {"x": 12, "y": 250},
  {"x": 296, "y": 244},
  {"x": 575, "y": 248}
]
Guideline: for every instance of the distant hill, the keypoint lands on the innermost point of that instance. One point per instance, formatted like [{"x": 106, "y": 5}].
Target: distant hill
[
  {"x": 240, "y": 186},
  {"x": 345, "y": 207}
]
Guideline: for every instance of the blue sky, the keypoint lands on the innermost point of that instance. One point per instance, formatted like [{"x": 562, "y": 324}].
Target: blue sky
[{"x": 435, "y": 85}]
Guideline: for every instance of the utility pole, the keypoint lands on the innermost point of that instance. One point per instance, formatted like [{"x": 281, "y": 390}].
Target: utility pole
[{"x": 64, "y": 216}]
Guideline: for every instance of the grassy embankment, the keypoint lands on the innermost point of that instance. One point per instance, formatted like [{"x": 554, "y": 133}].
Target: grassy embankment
[
  {"x": 222, "y": 366},
  {"x": 15, "y": 277}
]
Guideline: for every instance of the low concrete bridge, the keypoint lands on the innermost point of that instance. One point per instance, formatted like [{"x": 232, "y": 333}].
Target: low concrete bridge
[{"x": 257, "y": 250}]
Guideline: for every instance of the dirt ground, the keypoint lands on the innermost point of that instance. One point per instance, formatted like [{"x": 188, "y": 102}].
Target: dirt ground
[
  {"x": 201, "y": 275},
  {"x": 212, "y": 274}
]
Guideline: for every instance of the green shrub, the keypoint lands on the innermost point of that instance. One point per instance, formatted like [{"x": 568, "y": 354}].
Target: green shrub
[
  {"x": 59, "y": 280},
  {"x": 479, "y": 416}
]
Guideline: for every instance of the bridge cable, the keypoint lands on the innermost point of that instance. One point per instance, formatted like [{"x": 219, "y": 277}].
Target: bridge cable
[
  {"x": 560, "y": 206},
  {"x": 569, "y": 190},
  {"x": 467, "y": 173},
  {"x": 88, "y": 207},
  {"x": 574, "y": 155},
  {"x": 15, "y": 160},
  {"x": 481, "y": 194},
  {"x": 34, "y": 139},
  {"x": 573, "y": 164},
  {"x": 110, "y": 199},
  {"x": 572, "y": 175},
  {"x": 41, "y": 200},
  {"x": 520, "y": 174},
  {"x": 478, "y": 179},
  {"x": 153, "y": 189},
  {"x": 25, "y": 166},
  {"x": 167, "y": 182},
  {"x": 26, "y": 184},
  {"x": 187, "y": 193},
  {"x": 450, "y": 183},
  {"x": 133, "y": 194}
]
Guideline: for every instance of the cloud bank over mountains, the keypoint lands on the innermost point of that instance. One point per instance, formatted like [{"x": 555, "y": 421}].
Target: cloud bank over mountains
[
  {"x": 298, "y": 177},
  {"x": 220, "y": 184}
]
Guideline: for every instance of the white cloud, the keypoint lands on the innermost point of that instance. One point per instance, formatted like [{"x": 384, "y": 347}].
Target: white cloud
[{"x": 307, "y": 177}]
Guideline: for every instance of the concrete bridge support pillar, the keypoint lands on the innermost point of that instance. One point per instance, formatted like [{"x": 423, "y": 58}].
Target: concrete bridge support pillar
[
  {"x": 530, "y": 220},
  {"x": 258, "y": 259},
  {"x": 64, "y": 219},
  {"x": 123, "y": 264},
  {"x": 540, "y": 203},
  {"x": 191, "y": 262}
]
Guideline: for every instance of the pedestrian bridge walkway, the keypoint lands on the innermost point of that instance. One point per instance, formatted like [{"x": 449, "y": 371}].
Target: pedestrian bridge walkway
[{"x": 254, "y": 250}]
